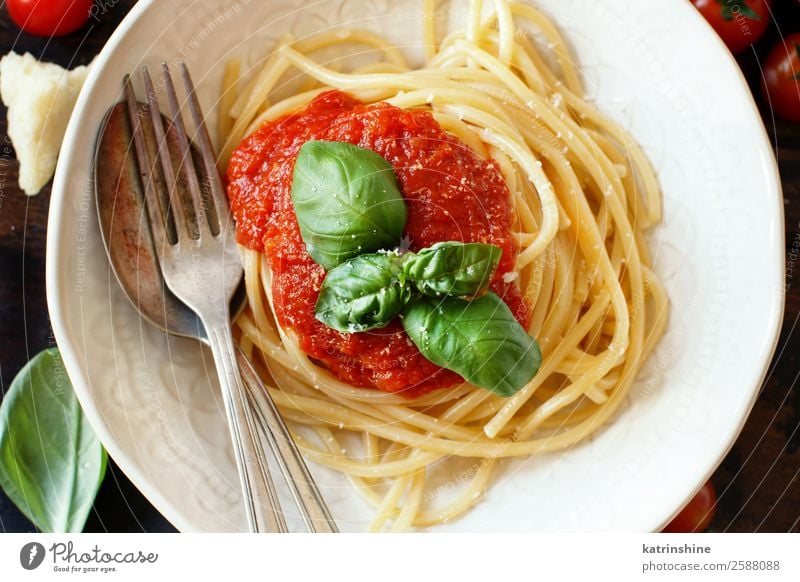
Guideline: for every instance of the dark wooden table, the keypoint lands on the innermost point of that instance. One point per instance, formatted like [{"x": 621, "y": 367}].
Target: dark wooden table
[{"x": 758, "y": 483}]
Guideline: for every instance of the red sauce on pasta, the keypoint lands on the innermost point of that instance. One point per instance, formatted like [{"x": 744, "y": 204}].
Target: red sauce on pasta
[{"x": 451, "y": 194}]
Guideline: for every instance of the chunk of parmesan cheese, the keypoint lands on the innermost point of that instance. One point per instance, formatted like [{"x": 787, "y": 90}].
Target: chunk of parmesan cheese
[{"x": 40, "y": 98}]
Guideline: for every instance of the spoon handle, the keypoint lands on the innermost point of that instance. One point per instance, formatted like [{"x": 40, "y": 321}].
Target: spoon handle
[
  {"x": 261, "y": 500},
  {"x": 304, "y": 490}
]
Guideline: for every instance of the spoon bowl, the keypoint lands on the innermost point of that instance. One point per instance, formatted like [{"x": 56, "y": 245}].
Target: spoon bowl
[{"x": 126, "y": 234}]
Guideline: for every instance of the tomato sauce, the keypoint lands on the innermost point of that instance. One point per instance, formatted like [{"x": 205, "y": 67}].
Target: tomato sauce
[{"x": 451, "y": 195}]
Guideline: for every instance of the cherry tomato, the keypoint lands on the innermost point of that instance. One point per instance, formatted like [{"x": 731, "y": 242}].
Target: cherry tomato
[
  {"x": 740, "y": 23},
  {"x": 696, "y": 516},
  {"x": 781, "y": 81},
  {"x": 49, "y": 17}
]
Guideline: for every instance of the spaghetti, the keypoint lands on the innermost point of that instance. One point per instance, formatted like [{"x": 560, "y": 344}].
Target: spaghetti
[{"x": 582, "y": 196}]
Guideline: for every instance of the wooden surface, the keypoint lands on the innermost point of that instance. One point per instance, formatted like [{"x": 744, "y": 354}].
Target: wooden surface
[{"x": 758, "y": 483}]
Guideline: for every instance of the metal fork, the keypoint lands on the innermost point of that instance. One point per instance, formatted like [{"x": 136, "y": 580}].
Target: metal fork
[{"x": 194, "y": 237}]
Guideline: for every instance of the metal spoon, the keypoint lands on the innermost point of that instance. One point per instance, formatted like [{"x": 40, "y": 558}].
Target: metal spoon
[{"x": 128, "y": 242}]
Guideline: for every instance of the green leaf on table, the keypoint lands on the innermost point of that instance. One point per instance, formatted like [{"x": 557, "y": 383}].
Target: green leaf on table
[
  {"x": 346, "y": 201},
  {"x": 364, "y": 293},
  {"x": 453, "y": 268},
  {"x": 51, "y": 462},
  {"x": 481, "y": 340}
]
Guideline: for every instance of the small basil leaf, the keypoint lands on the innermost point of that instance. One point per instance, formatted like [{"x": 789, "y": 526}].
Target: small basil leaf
[
  {"x": 453, "y": 268},
  {"x": 51, "y": 463},
  {"x": 346, "y": 201},
  {"x": 362, "y": 294},
  {"x": 480, "y": 340}
]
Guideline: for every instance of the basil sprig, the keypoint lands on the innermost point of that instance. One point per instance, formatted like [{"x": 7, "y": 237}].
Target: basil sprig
[
  {"x": 51, "y": 463},
  {"x": 346, "y": 201},
  {"x": 453, "y": 268},
  {"x": 348, "y": 207},
  {"x": 367, "y": 292},
  {"x": 481, "y": 340}
]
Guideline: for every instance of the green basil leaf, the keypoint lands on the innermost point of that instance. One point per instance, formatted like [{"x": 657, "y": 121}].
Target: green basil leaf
[
  {"x": 51, "y": 463},
  {"x": 363, "y": 293},
  {"x": 453, "y": 268},
  {"x": 346, "y": 201},
  {"x": 481, "y": 340}
]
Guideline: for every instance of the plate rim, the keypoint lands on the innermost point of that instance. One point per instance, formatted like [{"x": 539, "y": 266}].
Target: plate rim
[{"x": 778, "y": 307}]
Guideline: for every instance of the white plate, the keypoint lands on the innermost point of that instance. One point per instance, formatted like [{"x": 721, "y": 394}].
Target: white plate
[{"x": 656, "y": 67}]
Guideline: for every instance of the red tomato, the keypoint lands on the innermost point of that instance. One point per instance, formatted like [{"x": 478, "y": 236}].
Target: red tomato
[
  {"x": 49, "y": 17},
  {"x": 781, "y": 81},
  {"x": 696, "y": 516},
  {"x": 740, "y": 23}
]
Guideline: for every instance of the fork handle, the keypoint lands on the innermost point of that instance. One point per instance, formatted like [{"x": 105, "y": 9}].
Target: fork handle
[
  {"x": 304, "y": 490},
  {"x": 261, "y": 501}
]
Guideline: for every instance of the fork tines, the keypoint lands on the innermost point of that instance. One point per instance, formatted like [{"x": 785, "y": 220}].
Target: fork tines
[{"x": 182, "y": 187}]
